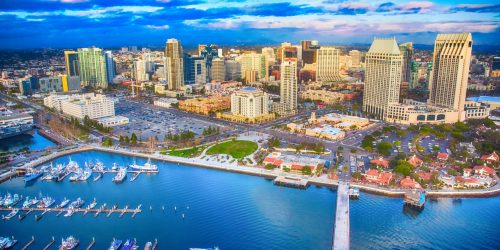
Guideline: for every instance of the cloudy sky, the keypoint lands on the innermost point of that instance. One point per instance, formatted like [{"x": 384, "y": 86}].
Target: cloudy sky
[{"x": 105, "y": 23}]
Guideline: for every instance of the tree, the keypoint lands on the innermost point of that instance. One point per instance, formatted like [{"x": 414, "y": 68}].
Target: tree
[
  {"x": 435, "y": 148},
  {"x": 107, "y": 142},
  {"x": 367, "y": 142},
  {"x": 274, "y": 142},
  {"x": 270, "y": 166},
  {"x": 384, "y": 148},
  {"x": 356, "y": 175},
  {"x": 126, "y": 140},
  {"x": 397, "y": 143},
  {"x": 306, "y": 170},
  {"x": 404, "y": 168},
  {"x": 133, "y": 138}
]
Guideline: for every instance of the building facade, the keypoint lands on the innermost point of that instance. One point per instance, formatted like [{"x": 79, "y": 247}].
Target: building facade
[
  {"x": 71, "y": 59},
  {"x": 218, "y": 69},
  {"x": 382, "y": 77},
  {"x": 253, "y": 67},
  {"x": 406, "y": 50},
  {"x": 249, "y": 102},
  {"x": 110, "y": 66},
  {"x": 92, "y": 105},
  {"x": 175, "y": 64},
  {"x": 92, "y": 68},
  {"x": 288, "y": 87},
  {"x": 450, "y": 71},
  {"x": 327, "y": 69}
]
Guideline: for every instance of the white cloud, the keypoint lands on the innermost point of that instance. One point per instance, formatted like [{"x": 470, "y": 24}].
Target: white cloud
[{"x": 158, "y": 27}]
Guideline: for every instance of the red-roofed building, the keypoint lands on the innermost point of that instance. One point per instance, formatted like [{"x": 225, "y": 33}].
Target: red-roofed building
[
  {"x": 296, "y": 167},
  {"x": 468, "y": 182},
  {"x": 383, "y": 178},
  {"x": 424, "y": 175},
  {"x": 381, "y": 162},
  {"x": 493, "y": 157},
  {"x": 409, "y": 183},
  {"x": 415, "y": 161},
  {"x": 468, "y": 172},
  {"x": 269, "y": 160},
  {"x": 484, "y": 170},
  {"x": 442, "y": 156}
]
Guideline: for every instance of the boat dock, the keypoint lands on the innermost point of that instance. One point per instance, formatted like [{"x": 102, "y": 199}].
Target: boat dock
[
  {"x": 49, "y": 244},
  {"x": 76, "y": 210},
  {"x": 341, "y": 230},
  {"x": 354, "y": 193},
  {"x": 290, "y": 182},
  {"x": 29, "y": 243},
  {"x": 92, "y": 243},
  {"x": 414, "y": 199}
]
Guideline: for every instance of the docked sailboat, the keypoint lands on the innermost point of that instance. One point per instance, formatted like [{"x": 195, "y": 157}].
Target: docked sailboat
[
  {"x": 32, "y": 175},
  {"x": 76, "y": 175},
  {"x": 46, "y": 202},
  {"x": 63, "y": 203},
  {"x": 120, "y": 176},
  {"x": 147, "y": 167},
  {"x": 85, "y": 175},
  {"x": 76, "y": 204},
  {"x": 115, "y": 244},
  {"x": 7, "y": 243},
  {"x": 11, "y": 214},
  {"x": 129, "y": 245},
  {"x": 9, "y": 200},
  {"x": 69, "y": 243}
]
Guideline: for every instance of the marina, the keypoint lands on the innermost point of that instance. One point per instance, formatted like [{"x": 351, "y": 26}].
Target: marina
[{"x": 223, "y": 204}]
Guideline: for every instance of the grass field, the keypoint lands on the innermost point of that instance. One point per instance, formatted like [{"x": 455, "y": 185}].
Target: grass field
[
  {"x": 186, "y": 153},
  {"x": 237, "y": 148}
]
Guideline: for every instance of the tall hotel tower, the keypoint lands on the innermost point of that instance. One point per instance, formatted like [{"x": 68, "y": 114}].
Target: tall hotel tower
[
  {"x": 92, "y": 68},
  {"x": 327, "y": 64},
  {"x": 288, "y": 88},
  {"x": 382, "y": 76},
  {"x": 450, "y": 72},
  {"x": 175, "y": 67}
]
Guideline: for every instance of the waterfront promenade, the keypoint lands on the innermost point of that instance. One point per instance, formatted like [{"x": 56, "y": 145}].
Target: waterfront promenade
[{"x": 272, "y": 174}]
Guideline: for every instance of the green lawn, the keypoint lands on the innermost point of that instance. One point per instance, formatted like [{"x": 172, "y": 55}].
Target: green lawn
[
  {"x": 186, "y": 153},
  {"x": 237, "y": 149}
]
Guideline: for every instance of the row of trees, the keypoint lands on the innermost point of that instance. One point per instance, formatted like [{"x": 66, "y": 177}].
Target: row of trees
[
  {"x": 182, "y": 136},
  {"x": 210, "y": 131},
  {"x": 90, "y": 123},
  {"x": 125, "y": 139}
]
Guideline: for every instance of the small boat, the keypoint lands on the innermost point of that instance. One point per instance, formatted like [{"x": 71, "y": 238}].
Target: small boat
[
  {"x": 46, "y": 202},
  {"x": 92, "y": 205},
  {"x": 7, "y": 243},
  {"x": 69, "y": 243},
  {"x": 98, "y": 176},
  {"x": 63, "y": 203},
  {"x": 32, "y": 175},
  {"x": 129, "y": 245},
  {"x": 76, "y": 204},
  {"x": 148, "y": 245},
  {"x": 29, "y": 202},
  {"x": 72, "y": 166},
  {"x": 134, "y": 177},
  {"x": 11, "y": 214},
  {"x": 115, "y": 167},
  {"x": 10, "y": 201},
  {"x": 85, "y": 175},
  {"x": 69, "y": 213},
  {"x": 115, "y": 244},
  {"x": 99, "y": 166},
  {"x": 147, "y": 167},
  {"x": 122, "y": 174},
  {"x": 76, "y": 175}
]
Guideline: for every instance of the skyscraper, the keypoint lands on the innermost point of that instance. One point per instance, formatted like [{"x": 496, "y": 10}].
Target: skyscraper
[
  {"x": 92, "y": 68},
  {"x": 382, "y": 76},
  {"x": 173, "y": 52},
  {"x": 268, "y": 52},
  {"x": 110, "y": 66},
  {"x": 327, "y": 69},
  {"x": 209, "y": 53},
  {"x": 288, "y": 87},
  {"x": 233, "y": 70},
  {"x": 406, "y": 50},
  {"x": 71, "y": 58},
  {"x": 355, "y": 58},
  {"x": 450, "y": 71},
  {"x": 218, "y": 69},
  {"x": 414, "y": 75},
  {"x": 192, "y": 66},
  {"x": 253, "y": 67},
  {"x": 309, "y": 50}
]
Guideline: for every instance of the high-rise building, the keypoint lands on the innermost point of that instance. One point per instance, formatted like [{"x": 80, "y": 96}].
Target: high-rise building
[
  {"x": 233, "y": 70},
  {"x": 406, "y": 50},
  {"x": 414, "y": 75},
  {"x": 71, "y": 58},
  {"x": 139, "y": 71},
  {"x": 60, "y": 83},
  {"x": 450, "y": 72},
  {"x": 355, "y": 58},
  {"x": 218, "y": 69},
  {"x": 268, "y": 52},
  {"x": 382, "y": 76},
  {"x": 309, "y": 50},
  {"x": 194, "y": 69},
  {"x": 92, "y": 68},
  {"x": 327, "y": 68},
  {"x": 288, "y": 87},
  {"x": 110, "y": 65},
  {"x": 201, "y": 47},
  {"x": 25, "y": 87},
  {"x": 175, "y": 67},
  {"x": 209, "y": 53},
  {"x": 249, "y": 102},
  {"x": 253, "y": 67}
]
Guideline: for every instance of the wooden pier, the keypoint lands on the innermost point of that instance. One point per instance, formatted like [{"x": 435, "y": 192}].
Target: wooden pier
[{"x": 109, "y": 211}]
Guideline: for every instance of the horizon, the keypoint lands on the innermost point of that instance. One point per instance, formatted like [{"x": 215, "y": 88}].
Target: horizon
[{"x": 83, "y": 23}]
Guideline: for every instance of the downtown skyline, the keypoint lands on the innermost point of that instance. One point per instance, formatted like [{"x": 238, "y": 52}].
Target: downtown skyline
[{"x": 79, "y": 23}]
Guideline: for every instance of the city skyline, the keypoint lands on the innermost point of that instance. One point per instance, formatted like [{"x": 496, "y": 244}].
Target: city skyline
[{"x": 80, "y": 23}]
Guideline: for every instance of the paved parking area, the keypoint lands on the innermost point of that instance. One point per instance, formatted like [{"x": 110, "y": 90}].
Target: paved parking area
[{"x": 147, "y": 120}]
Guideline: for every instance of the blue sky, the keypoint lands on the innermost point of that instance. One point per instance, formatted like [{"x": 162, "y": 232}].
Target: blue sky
[{"x": 106, "y": 23}]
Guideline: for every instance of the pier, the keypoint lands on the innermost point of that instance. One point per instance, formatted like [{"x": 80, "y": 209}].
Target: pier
[
  {"x": 290, "y": 182},
  {"x": 29, "y": 243},
  {"x": 92, "y": 243},
  {"x": 49, "y": 244},
  {"x": 341, "y": 230},
  {"x": 76, "y": 210}
]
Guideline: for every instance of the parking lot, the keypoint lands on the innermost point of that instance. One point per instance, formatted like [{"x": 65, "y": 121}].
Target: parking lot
[{"x": 147, "y": 120}]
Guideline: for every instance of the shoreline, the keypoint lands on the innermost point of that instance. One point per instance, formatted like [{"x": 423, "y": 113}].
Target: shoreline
[{"x": 261, "y": 173}]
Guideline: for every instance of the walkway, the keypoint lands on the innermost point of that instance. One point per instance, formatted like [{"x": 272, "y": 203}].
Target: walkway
[{"x": 341, "y": 231}]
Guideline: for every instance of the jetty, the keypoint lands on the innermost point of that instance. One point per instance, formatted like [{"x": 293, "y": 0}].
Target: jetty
[
  {"x": 341, "y": 230},
  {"x": 109, "y": 211},
  {"x": 414, "y": 199},
  {"x": 291, "y": 182},
  {"x": 29, "y": 243},
  {"x": 155, "y": 244},
  {"x": 92, "y": 243},
  {"x": 49, "y": 244}
]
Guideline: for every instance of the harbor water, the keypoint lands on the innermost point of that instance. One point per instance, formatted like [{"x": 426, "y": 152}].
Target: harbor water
[
  {"x": 33, "y": 142},
  {"x": 235, "y": 211}
]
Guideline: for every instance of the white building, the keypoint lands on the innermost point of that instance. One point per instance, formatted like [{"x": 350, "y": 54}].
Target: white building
[
  {"x": 92, "y": 105},
  {"x": 288, "y": 88},
  {"x": 382, "y": 76},
  {"x": 327, "y": 68},
  {"x": 113, "y": 121},
  {"x": 165, "y": 102},
  {"x": 249, "y": 102}
]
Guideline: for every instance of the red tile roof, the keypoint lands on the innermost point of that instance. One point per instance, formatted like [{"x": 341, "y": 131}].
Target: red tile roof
[
  {"x": 296, "y": 166},
  {"x": 415, "y": 161},
  {"x": 491, "y": 157},
  {"x": 380, "y": 162},
  {"x": 484, "y": 169},
  {"x": 424, "y": 175},
  {"x": 409, "y": 183},
  {"x": 442, "y": 156}
]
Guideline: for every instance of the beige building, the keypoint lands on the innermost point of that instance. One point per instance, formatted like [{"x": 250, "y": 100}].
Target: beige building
[
  {"x": 248, "y": 105},
  {"x": 450, "y": 72},
  {"x": 328, "y": 97},
  {"x": 382, "y": 77},
  {"x": 175, "y": 64},
  {"x": 327, "y": 65},
  {"x": 253, "y": 67},
  {"x": 288, "y": 88},
  {"x": 355, "y": 58},
  {"x": 218, "y": 69}
]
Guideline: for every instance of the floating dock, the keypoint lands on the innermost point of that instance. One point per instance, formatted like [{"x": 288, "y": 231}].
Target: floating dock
[
  {"x": 76, "y": 210},
  {"x": 354, "y": 193},
  {"x": 414, "y": 199},
  {"x": 29, "y": 243},
  {"x": 291, "y": 182}
]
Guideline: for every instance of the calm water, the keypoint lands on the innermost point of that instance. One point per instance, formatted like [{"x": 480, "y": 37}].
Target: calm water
[
  {"x": 237, "y": 211},
  {"x": 33, "y": 142}
]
